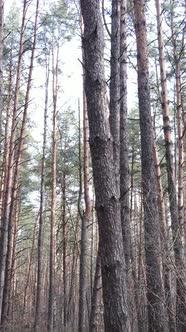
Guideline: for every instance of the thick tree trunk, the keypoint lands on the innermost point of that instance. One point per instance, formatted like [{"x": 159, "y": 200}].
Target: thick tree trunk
[
  {"x": 155, "y": 293},
  {"x": 106, "y": 188}
]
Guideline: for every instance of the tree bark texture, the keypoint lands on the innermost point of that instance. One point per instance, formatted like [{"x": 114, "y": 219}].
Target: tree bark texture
[
  {"x": 106, "y": 189},
  {"x": 155, "y": 294}
]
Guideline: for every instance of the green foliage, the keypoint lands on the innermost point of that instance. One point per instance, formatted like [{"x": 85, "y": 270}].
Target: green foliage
[{"x": 58, "y": 22}]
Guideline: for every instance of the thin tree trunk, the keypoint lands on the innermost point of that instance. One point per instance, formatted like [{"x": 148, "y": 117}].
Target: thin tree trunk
[
  {"x": 7, "y": 189},
  {"x": 82, "y": 277},
  {"x": 73, "y": 273},
  {"x": 6, "y": 134},
  {"x": 1, "y": 65},
  {"x": 86, "y": 216},
  {"x": 124, "y": 166},
  {"x": 164, "y": 242},
  {"x": 13, "y": 193},
  {"x": 64, "y": 245},
  {"x": 106, "y": 187},
  {"x": 42, "y": 204},
  {"x": 115, "y": 86},
  {"x": 30, "y": 266},
  {"x": 52, "y": 265},
  {"x": 157, "y": 319},
  {"x": 94, "y": 304},
  {"x": 176, "y": 226},
  {"x": 12, "y": 272},
  {"x": 83, "y": 249}
]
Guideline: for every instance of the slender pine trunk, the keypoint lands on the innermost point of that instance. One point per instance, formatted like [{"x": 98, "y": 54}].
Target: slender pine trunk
[
  {"x": 42, "y": 205},
  {"x": 157, "y": 319}
]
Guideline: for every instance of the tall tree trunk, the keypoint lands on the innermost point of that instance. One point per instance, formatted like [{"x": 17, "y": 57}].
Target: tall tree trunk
[
  {"x": 15, "y": 177},
  {"x": 124, "y": 165},
  {"x": 64, "y": 245},
  {"x": 1, "y": 65},
  {"x": 155, "y": 293},
  {"x": 7, "y": 189},
  {"x": 52, "y": 264},
  {"x": 164, "y": 242},
  {"x": 42, "y": 204},
  {"x": 175, "y": 214},
  {"x": 83, "y": 248},
  {"x": 82, "y": 276},
  {"x": 86, "y": 216},
  {"x": 115, "y": 86},
  {"x": 106, "y": 188}
]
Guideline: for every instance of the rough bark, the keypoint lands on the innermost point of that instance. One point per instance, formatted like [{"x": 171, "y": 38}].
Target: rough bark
[
  {"x": 155, "y": 295},
  {"x": 106, "y": 189}
]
